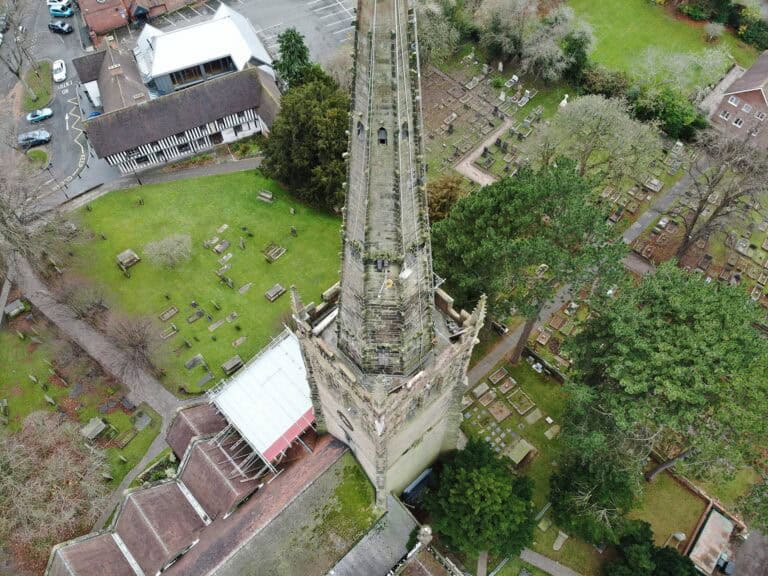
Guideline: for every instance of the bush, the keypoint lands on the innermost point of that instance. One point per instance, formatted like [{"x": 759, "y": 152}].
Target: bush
[
  {"x": 600, "y": 80},
  {"x": 755, "y": 33},
  {"x": 694, "y": 12},
  {"x": 676, "y": 115},
  {"x": 247, "y": 147},
  {"x": 171, "y": 251}
]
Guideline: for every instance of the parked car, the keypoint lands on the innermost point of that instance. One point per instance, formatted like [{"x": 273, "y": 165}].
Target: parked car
[
  {"x": 32, "y": 139},
  {"x": 60, "y": 11},
  {"x": 59, "y": 71},
  {"x": 60, "y": 27},
  {"x": 60, "y": 3},
  {"x": 39, "y": 115}
]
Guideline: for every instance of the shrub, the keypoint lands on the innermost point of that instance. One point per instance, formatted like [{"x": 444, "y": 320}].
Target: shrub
[{"x": 171, "y": 251}]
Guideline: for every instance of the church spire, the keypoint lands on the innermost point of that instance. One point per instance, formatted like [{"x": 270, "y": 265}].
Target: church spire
[{"x": 385, "y": 322}]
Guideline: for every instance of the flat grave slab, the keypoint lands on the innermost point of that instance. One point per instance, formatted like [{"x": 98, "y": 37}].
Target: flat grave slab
[
  {"x": 497, "y": 376},
  {"x": 534, "y": 416},
  {"x": 168, "y": 313},
  {"x": 499, "y": 411},
  {"x": 488, "y": 397},
  {"x": 521, "y": 402},
  {"x": 552, "y": 432},
  {"x": 508, "y": 384},
  {"x": 480, "y": 390}
]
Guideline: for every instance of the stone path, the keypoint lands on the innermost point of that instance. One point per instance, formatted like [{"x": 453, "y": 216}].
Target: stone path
[
  {"x": 466, "y": 165},
  {"x": 545, "y": 564}
]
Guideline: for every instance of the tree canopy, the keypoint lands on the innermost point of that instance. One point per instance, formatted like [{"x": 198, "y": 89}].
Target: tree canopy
[
  {"x": 443, "y": 192},
  {"x": 304, "y": 150},
  {"x": 638, "y": 556},
  {"x": 672, "y": 361},
  {"x": 294, "y": 56},
  {"x": 539, "y": 229},
  {"x": 601, "y": 135},
  {"x": 479, "y": 504}
]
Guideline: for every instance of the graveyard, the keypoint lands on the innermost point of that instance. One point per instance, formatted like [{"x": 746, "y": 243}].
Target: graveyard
[
  {"x": 519, "y": 412},
  {"x": 250, "y": 242},
  {"x": 463, "y": 108},
  {"x": 737, "y": 253},
  {"x": 44, "y": 371}
]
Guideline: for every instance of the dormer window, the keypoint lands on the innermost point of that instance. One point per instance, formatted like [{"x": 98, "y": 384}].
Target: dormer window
[{"x": 382, "y": 135}]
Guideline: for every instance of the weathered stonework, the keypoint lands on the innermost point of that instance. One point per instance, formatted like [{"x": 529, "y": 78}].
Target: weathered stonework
[{"x": 387, "y": 366}]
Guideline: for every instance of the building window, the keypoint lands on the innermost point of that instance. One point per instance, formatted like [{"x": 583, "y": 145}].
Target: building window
[
  {"x": 237, "y": 129},
  {"x": 738, "y": 122},
  {"x": 186, "y": 76},
  {"x": 747, "y": 108},
  {"x": 382, "y": 135},
  {"x": 734, "y": 101},
  {"x": 219, "y": 66},
  {"x": 760, "y": 116},
  {"x": 725, "y": 114},
  {"x": 142, "y": 160},
  {"x": 180, "y": 135},
  {"x": 201, "y": 142},
  {"x": 184, "y": 147}
]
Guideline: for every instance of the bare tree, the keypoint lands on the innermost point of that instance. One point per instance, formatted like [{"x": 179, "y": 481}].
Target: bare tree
[
  {"x": 138, "y": 341},
  {"x": 40, "y": 239},
  {"x": 602, "y": 137},
  {"x": 170, "y": 251},
  {"x": 15, "y": 53},
  {"x": 438, "y": 36},
  {"x": 727, "y": 178},
  {"x": 688, "y": 73},
  {"x": 714, "y": 30},
  {"x": 51, "y": 488},
  {"x": 83, "y": 298}
]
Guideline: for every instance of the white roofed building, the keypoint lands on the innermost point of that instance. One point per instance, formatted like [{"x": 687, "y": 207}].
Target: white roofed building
[{"x": 176, "y": 59}]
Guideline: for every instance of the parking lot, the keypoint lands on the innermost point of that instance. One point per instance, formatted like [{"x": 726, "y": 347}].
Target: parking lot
[{"x": 326, "y": 24}]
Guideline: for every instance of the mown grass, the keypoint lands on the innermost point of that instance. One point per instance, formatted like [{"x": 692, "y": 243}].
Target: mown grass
[
  {"x": 199, "y": 207},
  {"x": 668, "y": 507},
  {"x": 625, "y": 29}
]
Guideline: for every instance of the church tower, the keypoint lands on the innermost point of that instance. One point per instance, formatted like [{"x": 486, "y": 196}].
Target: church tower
[{"x": 385, "y": 351}]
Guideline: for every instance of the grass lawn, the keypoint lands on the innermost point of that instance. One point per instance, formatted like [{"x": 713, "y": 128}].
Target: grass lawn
[
  {"x": 199, "y": 208},
  {"x": 624, "y": 29},
  {"x": 37, "y": 158},
  {"x": 668, "y": 507},
  {"x": 80, "y": 399},
  {"x": 729, "y": 491},
  {"x": 41, "y": 82}
]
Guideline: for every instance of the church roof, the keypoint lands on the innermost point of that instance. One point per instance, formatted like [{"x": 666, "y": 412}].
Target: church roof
[{"x": 268, "y": 402}]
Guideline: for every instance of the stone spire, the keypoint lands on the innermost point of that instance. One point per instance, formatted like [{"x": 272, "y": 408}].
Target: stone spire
[{"x": 385, "y": 323}]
